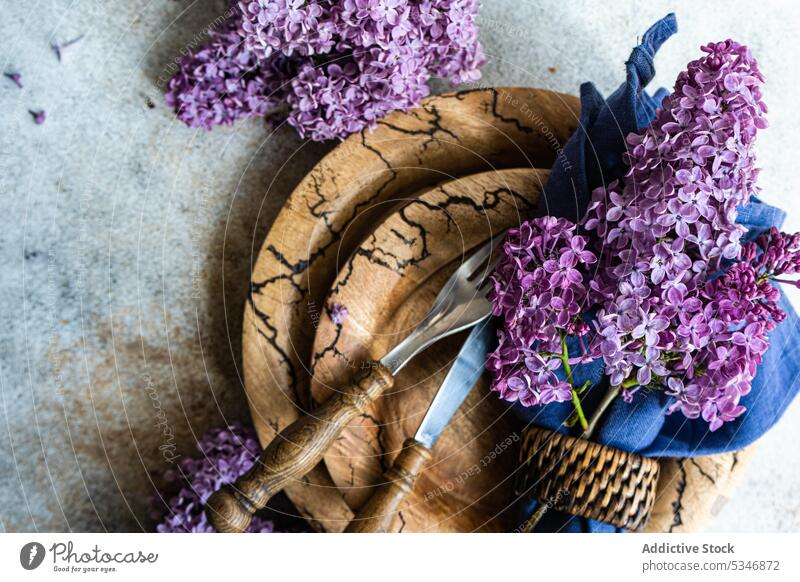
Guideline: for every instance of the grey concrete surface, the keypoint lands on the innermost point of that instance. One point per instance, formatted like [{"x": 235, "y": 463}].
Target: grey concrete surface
[{"x": 126, "y": 238}]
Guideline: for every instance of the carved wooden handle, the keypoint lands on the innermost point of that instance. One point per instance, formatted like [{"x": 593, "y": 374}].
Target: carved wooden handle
[
  {"x": 294, "y": 452},
  {"x": 379, "y": 511}
]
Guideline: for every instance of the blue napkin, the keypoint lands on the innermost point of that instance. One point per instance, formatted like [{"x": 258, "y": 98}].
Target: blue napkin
[{"x": 594, "y": 156}]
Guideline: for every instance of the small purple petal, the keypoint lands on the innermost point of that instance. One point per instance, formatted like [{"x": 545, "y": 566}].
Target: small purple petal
[
  {"x": 15, "y": 77},
  {"x": 39, "y": 117}
]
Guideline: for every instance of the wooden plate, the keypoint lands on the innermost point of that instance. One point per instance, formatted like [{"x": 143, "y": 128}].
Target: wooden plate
[
  {"x": 388, "y": 286},
  {"x": 335, "y": 208}
]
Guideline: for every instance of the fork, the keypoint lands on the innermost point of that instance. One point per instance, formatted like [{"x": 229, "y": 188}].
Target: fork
[{"x": 460, "y": 304}]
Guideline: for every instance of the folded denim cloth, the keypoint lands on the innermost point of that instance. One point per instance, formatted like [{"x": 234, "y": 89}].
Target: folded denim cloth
[{"x": 593, "y": 157}]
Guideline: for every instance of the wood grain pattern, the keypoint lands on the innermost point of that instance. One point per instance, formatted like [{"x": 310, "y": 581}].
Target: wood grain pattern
[
  {"x": 294, "y": 452},
  {"x": 333, "y": 209},
  {"x": 380, "y": 511}
]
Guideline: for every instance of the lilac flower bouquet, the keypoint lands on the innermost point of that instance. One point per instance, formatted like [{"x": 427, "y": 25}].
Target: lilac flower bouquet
[
  {"x": 659, "y": 286},
  {"x": 328, "y": 67}
]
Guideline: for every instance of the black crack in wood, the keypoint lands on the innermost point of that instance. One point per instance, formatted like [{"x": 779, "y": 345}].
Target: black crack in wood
[
  {"x": 332, "y": 348},
  {"x": 295, "y": 269},
  {"x": 492, "y": 200},
  {"x": 494, "y": 104},
  {"x": 393, "y": 173},
  {"x": 402, "y": 522},
  {"x": 272, "y": 339},
  {"x": 702, "y": 471},
  {"x": 512, "y": 120},
  {"x": 460, "y": 95},
  {"x": 376, "y": 255},
  {"x": 314, "y": 206},
  {"x": 298, "y": 268},
  {"x": 434, "y": 126},
  {"x": 373, "y": 256},
  {"x": 677, "y": 505},
  {"x": 735, "y": 460},
  {"x": 408, "y": 241}
]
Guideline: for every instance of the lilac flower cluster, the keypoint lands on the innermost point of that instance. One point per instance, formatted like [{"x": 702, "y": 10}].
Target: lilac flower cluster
[
  {"x": 225, "y": 454},
  {"x": 681, "y": 305},
  {"x": 730, "y": 330},
  {"x": 672, "y": 220},
  {"x": 224, "y": 81},
  {"x": 330, "y": 68},
  {"x": 539, "y": 289},
  {"x": 670, "y": 224}
]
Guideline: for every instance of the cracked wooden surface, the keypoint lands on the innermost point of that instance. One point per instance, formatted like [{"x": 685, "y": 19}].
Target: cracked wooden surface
[
  {"x": 691, "y": 492},
  {"x": 388, "y": 286}
]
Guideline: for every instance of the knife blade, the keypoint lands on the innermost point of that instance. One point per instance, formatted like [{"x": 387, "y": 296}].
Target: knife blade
[
  {"x": 460, "y": 379},
  {"x": 379, "y": 511}
]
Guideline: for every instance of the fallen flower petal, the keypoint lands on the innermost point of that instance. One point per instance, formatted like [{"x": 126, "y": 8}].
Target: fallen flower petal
[
  {"x": 338, "y": 313},
  {"x": 16, "y": 77},
  {"x": 39, "y": 117}
]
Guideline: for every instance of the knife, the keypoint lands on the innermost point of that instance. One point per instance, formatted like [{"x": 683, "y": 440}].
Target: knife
[{"x": 379, "y": 511}]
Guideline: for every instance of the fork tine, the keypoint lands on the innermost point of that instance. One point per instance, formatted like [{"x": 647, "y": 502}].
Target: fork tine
[
  {"x": 476, "y": 260},
  {"x": 483, "y": 286},
  {"x": 472, "y": 264},
  {"x": 466, "y": 273}
]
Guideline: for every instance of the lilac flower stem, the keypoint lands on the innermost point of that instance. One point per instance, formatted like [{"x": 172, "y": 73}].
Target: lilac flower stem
[
  {"x": 609, "y": 397},
  {"x": 539, "y": 512},
  {"x": 607, "y": 400},
  {"x": 576, "y": 401}
]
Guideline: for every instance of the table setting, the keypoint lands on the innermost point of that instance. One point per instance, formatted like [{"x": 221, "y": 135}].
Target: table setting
[{"x": 500, "y": 309}]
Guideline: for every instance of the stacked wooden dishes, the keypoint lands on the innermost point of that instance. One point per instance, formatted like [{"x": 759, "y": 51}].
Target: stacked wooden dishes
[{"x": 377, "y": 226}]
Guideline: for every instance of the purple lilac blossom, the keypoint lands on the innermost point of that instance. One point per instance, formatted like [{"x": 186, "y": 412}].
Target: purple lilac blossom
[
  {"x": 682, "y": 305},
  {"x": 224, "y": 82},
  {"x": 342, "y": 64},
  {"x": 673, "y": 217},
  {"x": 225, "y": 454},
  {"x": 539, "y": 289},
  {"x": 338, "y": 313},
  {"x": 668, "y": 226},
  {"x": 740, "y": 308}
]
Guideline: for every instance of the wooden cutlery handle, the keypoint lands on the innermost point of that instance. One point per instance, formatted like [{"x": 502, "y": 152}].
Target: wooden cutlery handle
[
  {"x": 294, "y": 452},
  {"x": 379, "y": 511}
]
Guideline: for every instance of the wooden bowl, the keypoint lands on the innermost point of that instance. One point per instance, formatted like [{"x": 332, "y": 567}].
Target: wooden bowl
[
  {"x": 331, "y": 213},
  {"x": 337, "y": 204}
]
